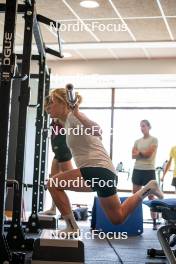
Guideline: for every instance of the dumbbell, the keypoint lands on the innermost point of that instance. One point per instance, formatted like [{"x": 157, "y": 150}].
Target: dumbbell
[{"x": 71, "y": 96}]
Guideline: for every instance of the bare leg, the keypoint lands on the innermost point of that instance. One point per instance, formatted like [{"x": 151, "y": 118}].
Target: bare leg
[
  {"x": 64, "y": 201},
  {"x": 65, "y": 166},
  {"x": 55, "y": 186},
  {"x": 58, "y": 167},
  {"x": 116, "y": 211},
  {"x": 54, "y": 170},
  {"x": 66, "y": 181}
]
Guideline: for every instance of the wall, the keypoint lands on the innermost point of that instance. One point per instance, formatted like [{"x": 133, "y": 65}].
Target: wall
[
  {"x": 112, "y": 73},
  {"x": 140, "y": 66}
]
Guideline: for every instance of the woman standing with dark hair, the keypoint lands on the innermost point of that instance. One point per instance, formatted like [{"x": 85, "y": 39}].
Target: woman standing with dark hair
[{"x": 144, "y": 152}]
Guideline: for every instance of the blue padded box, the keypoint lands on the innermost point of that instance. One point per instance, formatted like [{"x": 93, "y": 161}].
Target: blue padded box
[{"x": 133, "y": 226}]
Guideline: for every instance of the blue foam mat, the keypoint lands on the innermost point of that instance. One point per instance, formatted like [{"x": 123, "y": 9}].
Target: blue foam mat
[{"x": 133, "y": 225}]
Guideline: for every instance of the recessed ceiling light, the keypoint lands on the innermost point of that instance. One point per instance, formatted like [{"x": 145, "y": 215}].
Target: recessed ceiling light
[
  {"x": 89, "y": 4},
  {"x": 67, "y": 55}
]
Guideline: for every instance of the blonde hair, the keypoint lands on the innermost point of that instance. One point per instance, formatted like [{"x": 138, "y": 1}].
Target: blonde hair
[
  {"x": 61, "y": 94},
  {"x": 47, "y": 101}
]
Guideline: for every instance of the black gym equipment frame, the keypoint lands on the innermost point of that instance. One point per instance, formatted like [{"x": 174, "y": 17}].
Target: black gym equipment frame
[
  {"x": 21, "y": 9},
  {"x": 44, "y": 146},
  {"x": 15, "y": 237},
  {"x": 33, "y": 223},
  {"x": 41, "y": 123},
  {"x": 7, "y": 71},
  {"x": 41, "y": 143}
]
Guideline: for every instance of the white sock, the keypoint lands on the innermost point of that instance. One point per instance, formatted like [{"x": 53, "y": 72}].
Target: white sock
[
  {"x": 53, "y": 206},
  {"x": 51, "y": 211},
  {"x": 70, "y": 221},
  {"x": 151, "y": 188},
  {"x": 71, "y": 225}
]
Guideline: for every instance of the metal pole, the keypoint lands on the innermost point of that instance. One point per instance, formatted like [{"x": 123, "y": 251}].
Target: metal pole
[
  {"x": 33, "y": 223},
  {"x": 45, "y": 142},
  {"x": 112, "y": 122}
]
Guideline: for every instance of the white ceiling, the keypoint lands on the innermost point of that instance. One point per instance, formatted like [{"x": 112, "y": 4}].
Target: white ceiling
[{"x": 146, "y": 22}]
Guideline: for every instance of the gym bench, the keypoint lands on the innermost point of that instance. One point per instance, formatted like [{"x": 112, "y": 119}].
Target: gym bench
[{"x": 167, "y": 207}]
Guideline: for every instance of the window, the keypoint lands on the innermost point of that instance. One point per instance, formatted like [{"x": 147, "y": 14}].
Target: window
[
  {"x": 132, "y": 105},
  {"x": 146, "y": 97},
  {"x": 96, "y": 97},
  {"x": 127, "y": 130}
]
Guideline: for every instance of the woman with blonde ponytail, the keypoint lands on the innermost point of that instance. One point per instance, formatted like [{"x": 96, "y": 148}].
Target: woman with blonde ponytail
[{"x": 95, "y": 171}]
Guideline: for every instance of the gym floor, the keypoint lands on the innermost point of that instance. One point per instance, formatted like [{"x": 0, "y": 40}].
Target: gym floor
[
  {"x": 128, "y": 251},
  {"x": 132, "y": 250}
]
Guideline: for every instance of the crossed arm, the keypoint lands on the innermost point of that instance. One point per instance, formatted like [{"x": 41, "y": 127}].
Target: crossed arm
[{"x": 136, "y": 154}]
